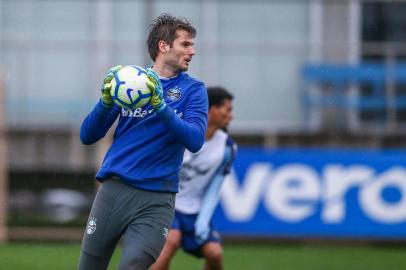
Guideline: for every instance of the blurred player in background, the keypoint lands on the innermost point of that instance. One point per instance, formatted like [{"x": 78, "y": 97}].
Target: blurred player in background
[
  {"x": 140, "y": 172},
  {"x": 201, "y": 177}
]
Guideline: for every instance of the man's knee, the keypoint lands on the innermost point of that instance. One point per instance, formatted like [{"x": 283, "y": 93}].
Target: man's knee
[
  {"x": 213, "y": 253},
  {"x": 139, "y": 260},
  {"x": 88, "y": 261},
  {"x": 172, "y": 242}
]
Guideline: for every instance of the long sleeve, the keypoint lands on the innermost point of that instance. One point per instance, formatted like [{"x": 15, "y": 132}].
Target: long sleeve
[
  {"x": 212, "y": 193},
  {"x": 97, "y": 123},
  {"x": 191, "y": 128}
]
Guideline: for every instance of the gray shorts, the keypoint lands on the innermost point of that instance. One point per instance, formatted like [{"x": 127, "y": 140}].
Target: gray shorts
[{"x": 142, "y": 218}]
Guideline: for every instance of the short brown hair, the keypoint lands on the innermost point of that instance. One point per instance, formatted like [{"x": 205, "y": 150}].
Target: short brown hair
[{"x": 164, "y": 28}]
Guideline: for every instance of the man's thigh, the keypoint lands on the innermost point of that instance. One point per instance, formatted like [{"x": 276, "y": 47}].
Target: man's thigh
[
  {"x": 105, "y": 224},
  {"x": 145, "y": 236}
]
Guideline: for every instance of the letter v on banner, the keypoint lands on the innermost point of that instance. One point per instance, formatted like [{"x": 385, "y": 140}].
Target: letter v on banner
[{"x": 240, "y": 202}]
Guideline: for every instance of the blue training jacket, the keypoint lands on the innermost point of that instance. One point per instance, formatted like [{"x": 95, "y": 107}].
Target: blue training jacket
[{"x": 148, "y": 147}]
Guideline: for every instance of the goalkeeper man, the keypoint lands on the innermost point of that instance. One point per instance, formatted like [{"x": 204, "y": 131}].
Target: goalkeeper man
[
  {"x": 140, "y": 170},
  {"x": 202, "y": 175}
]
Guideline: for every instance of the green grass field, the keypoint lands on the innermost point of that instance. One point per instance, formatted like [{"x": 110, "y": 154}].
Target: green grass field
[{"x": 35, "y": 256}]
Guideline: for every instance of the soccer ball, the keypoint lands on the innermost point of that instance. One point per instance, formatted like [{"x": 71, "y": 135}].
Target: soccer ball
[{"x": 129, "y": 88}]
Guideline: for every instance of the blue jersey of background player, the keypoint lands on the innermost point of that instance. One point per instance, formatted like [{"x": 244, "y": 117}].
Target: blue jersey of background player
[
  {"x": 140, "y": 171},
  {"x": 201, "y": 177}
]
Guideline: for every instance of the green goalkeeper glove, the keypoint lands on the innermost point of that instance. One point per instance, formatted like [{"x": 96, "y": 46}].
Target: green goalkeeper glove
[
  {"x": 106, "y": 98},
  {"x": 157, "y": 94}
]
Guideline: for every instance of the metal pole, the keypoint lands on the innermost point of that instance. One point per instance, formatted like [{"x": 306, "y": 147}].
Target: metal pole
[
  {"x": 3, "y": 165},
  {"x": 104, "y": 57}
]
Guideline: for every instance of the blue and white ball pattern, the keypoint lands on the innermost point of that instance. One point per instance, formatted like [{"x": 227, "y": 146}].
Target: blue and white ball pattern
[{"x": 129, "y": 88}]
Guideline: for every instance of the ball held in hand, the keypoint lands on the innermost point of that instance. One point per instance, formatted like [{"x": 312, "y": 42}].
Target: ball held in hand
[{"x": 129, "y": 87}]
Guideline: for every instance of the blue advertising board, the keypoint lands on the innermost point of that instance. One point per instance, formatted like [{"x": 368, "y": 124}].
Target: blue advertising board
[{"x": 315, "y": 193}]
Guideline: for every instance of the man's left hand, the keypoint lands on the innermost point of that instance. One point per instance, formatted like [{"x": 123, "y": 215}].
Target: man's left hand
[
  {"x": 157, "y": 98},
  {"x": 202, "y": 231}
]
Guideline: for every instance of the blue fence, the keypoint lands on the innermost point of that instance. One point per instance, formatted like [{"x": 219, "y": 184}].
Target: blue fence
[{"x": 315, "y": 193}]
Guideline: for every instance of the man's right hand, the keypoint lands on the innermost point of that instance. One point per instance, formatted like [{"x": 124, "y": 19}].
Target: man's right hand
[{"x": 106, "y": 98}]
